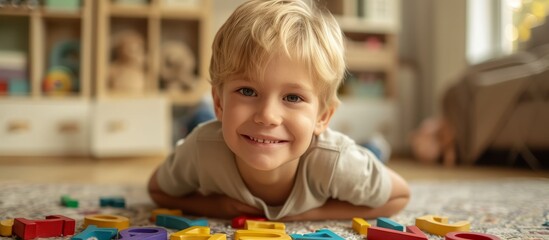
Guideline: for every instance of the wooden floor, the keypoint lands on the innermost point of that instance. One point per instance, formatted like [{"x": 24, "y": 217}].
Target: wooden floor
[{"x": 138, "y": 170}]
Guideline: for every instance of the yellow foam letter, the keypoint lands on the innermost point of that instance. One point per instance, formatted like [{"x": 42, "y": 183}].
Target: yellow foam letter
[
  {"x": 107, "y": 221},
  {"x": 6, "y": 227},
  {"x": 265, "y": 225},
  {"x": 439, "y": 225},
  {"x": 197, "y": 233},
  {"x": 260, "y": 234},
  {"x": 360, "y": 226}
]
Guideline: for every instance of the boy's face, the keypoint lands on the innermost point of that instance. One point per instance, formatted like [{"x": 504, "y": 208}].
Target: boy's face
[{"x": 270, "y": 122}]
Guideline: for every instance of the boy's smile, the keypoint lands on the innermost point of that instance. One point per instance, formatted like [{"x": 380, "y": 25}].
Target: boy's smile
[
  {"x": 269, "y": 122},
  {"x": 264, "y": 140}
]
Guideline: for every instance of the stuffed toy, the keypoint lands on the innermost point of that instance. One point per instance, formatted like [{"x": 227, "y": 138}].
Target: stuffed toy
[
  {"x": 434, "y": 141},
  {"x": 127, "y": 71},
  {"x": 177, "y": 67}
]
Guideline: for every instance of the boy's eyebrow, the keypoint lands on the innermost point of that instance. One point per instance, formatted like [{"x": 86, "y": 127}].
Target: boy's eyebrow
[
  {"x": 297, "y": 85},
  {"x": 240, "y": 81},
  {"x": 286, "y": 85}
]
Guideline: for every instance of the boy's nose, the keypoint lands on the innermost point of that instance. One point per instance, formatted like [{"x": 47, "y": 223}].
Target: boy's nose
[{"x": 268, "y": 113}]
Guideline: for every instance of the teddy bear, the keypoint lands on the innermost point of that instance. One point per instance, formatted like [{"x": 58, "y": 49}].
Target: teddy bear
[
  {"x": 177, "y": 67},
  {"x": 127, "y": 70}
]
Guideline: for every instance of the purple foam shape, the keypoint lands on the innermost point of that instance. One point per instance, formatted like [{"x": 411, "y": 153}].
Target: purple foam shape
[{"x": 144, "y": 233}]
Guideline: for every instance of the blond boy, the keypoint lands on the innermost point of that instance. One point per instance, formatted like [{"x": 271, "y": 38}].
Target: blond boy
[{"x": 275, "y": 69}]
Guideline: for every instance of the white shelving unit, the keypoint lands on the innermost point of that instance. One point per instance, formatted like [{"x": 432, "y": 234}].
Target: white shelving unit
[
  {"x": 39, "y": 117},
  {"x": 88, "y": 120}
]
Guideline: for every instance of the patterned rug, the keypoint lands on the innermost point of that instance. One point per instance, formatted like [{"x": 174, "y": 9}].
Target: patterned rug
[{"x": 508, "y": 208}]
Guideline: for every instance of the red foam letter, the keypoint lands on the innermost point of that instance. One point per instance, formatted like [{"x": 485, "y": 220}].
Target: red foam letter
[
  {"x": 379, "y": 233},
  {"x": 469, "y": 236}
]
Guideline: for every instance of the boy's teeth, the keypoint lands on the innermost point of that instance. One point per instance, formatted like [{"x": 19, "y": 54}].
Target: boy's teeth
[{"x": 263, "y": 140}]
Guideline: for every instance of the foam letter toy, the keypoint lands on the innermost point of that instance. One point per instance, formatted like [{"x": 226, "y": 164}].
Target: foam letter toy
[
  {"x": 197, "y": 233},
  {"x": 5, "y": 227},
  {"x": 378, "y": 233},
  {"x": 322, "y": 234},
  {"x": 179, "y": 223},
  {"x": 439, "y": 225},
  {"x": 98, "y": 233},
  {"x": 69, "y": 224},
  {"x": 265, "y": 225},
  {"x": 52, "y": 226},
  {"x": 117, "y": 202},
  {"x": 217, "y": 236},
  {"x": 260, "y": 234},
  {"x": 390, "y": 224},
  {"x": 67, "y": 201},
  {"x": 143, "y": 233},
  {"x": 240, "y": 221},
  {"x": 360, "y": 226},
  {"x": 107, "y": 221},
  {"x": 165, "y": 211},
  {"x": 469, "y": 236}
]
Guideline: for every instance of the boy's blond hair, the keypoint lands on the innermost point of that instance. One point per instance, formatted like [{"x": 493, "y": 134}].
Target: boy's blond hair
[{"x": 258, "y": 30}]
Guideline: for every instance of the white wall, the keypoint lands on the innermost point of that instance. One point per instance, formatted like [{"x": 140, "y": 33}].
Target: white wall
[
  {"x": 433, "y": 39},
  {"x": 222, "y": 9}
]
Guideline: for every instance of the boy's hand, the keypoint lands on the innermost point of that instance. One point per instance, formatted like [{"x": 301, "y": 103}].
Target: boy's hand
[
  {"x": 336, "y": 209},
  {"x": 217, "y": 206},
  {"x": 229, "y": 208}
]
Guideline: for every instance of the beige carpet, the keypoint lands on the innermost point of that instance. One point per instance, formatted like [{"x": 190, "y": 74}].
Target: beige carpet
[{"x": 509, "y": 208}]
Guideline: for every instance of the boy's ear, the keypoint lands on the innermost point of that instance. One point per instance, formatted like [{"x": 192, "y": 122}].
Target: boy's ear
[
  {"x": 324, "y": 119},
  {"x": 217, "y": 104}
]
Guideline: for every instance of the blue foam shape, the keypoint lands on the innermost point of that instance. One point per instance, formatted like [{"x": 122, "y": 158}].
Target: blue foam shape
[
  {"x": 117, "y": 202},
  {"x": 93, "y": 231},
  {"x": 322, "y": 234},
  {"x": 389, "y": 224},
  {"x": 177, "y": 222}
]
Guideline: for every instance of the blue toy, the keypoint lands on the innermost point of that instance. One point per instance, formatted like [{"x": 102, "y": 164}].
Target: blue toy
[
  {"x": 64, "y": 68},
  {"x": 317, "y": 235},
  {"x": 98, "y": 233},
  {"x": 179, "y": 223}
]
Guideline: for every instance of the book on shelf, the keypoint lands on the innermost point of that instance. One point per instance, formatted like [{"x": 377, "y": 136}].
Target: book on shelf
[
  {"x": 364, "y": 85},
  {"x": 378, "y": 11},
  {"x": 13, "y": 60}
]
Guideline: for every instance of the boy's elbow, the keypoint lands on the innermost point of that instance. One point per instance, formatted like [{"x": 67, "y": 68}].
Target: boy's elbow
[
  {"x": 396, "y": 203},
  {"x": 400, "y": 194},
  {"x": 401, "y": 201},
  {"x": 154, "y": 190},
  {"x": 404, "y": 192}
]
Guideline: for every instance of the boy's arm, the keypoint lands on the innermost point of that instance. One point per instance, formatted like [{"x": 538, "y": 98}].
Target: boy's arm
[
  {"x": 335, "y": 209},
  {"x": 216, "y": 206}
]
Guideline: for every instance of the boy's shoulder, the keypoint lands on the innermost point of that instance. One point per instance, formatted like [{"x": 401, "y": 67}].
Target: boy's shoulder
[
  {"x": 207, "y": 131},
  {"x": 328, "y": 148},
  {"x": 331, "y": 146},
  {"x": 332, "y": 140}
]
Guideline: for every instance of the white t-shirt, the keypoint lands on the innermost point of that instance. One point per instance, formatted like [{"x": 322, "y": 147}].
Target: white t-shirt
[{"x": 334, "y": 166}]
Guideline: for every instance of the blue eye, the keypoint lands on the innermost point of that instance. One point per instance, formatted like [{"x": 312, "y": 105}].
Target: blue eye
[
  {"x": 247, "y": 92},
  {"x": 293, "y": 98}
]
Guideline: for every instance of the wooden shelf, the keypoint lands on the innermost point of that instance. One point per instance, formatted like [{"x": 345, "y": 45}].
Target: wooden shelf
[
  {"x": 156, "y": 23},
  {"x": 182, "y": 13},
  {"x": 45, "y": 28},
  {"x": 53, "y": 13},
  {"x": 371, "y": 47},
  {"x": 116, "y": 10},
  {"x": 35, "y": 36},
  {"x": 355, "y": 24},
  {"x": 16, "y": 11}
]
